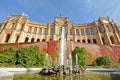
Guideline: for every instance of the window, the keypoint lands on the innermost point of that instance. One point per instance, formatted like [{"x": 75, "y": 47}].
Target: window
[
  {"x": 77, "y": 32},
  {"x": 92, "y": 31},
  {"x": 60, "y": 31},
  {"x": 51, "y": 31},
  {"x": 13, "y": 26},
  {"x": 87, "y": 32},
  {"x": 45, "y": 31},
  {"x": 40, "y": 30},
  {"x": 35, "y": 30},
  {"x": 30, "y": 29},
  {"x": 82, "y": 32},
  {"x": 71, "y": 31}
]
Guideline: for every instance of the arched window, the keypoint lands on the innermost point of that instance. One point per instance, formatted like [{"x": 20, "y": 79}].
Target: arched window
[
  {"x": 94, "y": 41},
  {"x": 7, "y": 38},
  {"x": 89, "y": 41},
  {"x": 26, "y": 39},
  {"x": 32, "y": 40}
]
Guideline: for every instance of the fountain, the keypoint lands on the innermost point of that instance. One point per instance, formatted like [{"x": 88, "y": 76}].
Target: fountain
[
  {"x": 62, "y": 48},
  {"x": 63, "y": 68}
]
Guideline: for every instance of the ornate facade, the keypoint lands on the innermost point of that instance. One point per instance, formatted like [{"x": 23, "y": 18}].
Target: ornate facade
[{"x": 18, "y": 29}]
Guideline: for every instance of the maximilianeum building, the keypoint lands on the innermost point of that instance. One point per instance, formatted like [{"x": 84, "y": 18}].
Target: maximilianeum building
[{"x": 19, "y": 29}]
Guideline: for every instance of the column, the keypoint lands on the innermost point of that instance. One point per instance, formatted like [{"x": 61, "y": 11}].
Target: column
[
  {"x": 107, "y": 35},
  {"x": 100, "y": 39}
]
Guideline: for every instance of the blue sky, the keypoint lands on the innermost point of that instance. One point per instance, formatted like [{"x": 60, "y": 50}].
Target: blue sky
[{"x": 78, "y": 11}]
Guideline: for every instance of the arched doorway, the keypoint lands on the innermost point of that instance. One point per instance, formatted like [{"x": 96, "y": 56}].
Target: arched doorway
[
  {"x": 38, "y": 40},
  {"x": 78, "y": 40},
  {"x": 43, "y": 40},
  {"x": 112, "y": 40},
  {"x": 26, "y": 39},
  {"x": 7, "y": 38},
  {"x": 83, "y": 41},
  {"x": 89, "y": 41},
  {"x": 32, "y": 40},
  {"x": 71, "y": 40},
  {"x": 50, "y": 39},
  {"x": 94, "y": 41}
]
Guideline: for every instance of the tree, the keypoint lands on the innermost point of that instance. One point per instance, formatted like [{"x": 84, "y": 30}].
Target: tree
[
  {"x": 81, "y": 56},
  {"x": 104, "y": 60}
]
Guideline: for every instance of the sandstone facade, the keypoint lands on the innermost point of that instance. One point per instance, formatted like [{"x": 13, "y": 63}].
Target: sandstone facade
[{"x": 19, "y": 29}]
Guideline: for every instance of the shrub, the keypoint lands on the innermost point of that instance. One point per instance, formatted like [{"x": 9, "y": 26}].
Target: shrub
[
  {"x": 104, "y": 60},
  {"x": 25, "y": 57},
  {"x": 81, "y": 56}
]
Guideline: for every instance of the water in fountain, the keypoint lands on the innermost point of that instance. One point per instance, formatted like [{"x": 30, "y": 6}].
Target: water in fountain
[
  {"x": 76, "y": 56},
  {"x": 62, "y": 68},
  {"x": 70, "y": 64},
  {"x": 62, "y": 48}
]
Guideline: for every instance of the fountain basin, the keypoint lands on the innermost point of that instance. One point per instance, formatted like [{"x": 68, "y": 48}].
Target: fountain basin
[{"x": 62, "y": 70}]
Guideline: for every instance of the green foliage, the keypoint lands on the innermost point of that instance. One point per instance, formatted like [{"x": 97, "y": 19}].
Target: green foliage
[
  {"x": 104, "y": 60},
  {"x": 81, "y": 56},
  {"x": 25, "y": 57}
]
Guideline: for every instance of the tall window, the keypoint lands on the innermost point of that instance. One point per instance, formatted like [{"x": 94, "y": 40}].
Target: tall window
[
  {"x": 17, "y": 39},
  {"x": 60, "y": 31},
  {"x": 87, "y": 32},
  {"x": 35, "y": 30},
  {"x": 40, "y": 30},
  {"x": 51, "y": 31},
  {"x": 45, "y": 31},
  {"x": 13, "y": 26},
  {"x": 82, "y": 32},
  {"x": 92, "y": 31},
  {"x": 30, "y": 29},
  {"x": 71, "y": 31},
  {"x": 77, "y": 32},
  {"x": 7, "y": 38}
]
